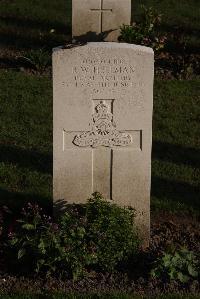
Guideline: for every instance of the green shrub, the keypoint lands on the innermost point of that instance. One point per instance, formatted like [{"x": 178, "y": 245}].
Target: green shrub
[
  {"x": 144, "y": 32},
  {"x": 34, "y": 244},
  {"x": 177, "y": 264},
  {"x": 39, "y": 59},
  {"x": 94, "y": 236},
  {"x": 111, "y": 232}
]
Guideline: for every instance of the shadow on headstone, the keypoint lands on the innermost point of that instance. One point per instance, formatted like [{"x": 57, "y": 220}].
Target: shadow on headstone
[
  {"x": 93, "y": 36},
  {"x": 59, "y": 207}
]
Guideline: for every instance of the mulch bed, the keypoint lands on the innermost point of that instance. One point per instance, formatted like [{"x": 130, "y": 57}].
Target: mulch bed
[{"x": 166, "y": 229}]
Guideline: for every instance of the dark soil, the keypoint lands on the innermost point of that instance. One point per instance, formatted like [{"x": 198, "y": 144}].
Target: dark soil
[{"x": 166, "y": 229}]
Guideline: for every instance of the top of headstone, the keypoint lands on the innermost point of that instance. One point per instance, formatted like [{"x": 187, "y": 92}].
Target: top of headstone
[
  {"x": 99, "y": 20},
  {"x": 111, "y": 45},
  {"x": 122, "y": 46}
]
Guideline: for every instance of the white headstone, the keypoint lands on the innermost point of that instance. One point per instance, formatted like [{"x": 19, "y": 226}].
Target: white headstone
[
  {"x": 96, "y": 20},
  {"x": 103, "y": 100}
]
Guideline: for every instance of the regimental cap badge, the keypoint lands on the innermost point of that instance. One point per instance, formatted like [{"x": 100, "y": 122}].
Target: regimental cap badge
[{"x": 103, "y": 130}]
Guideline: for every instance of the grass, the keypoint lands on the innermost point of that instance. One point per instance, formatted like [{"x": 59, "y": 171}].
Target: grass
[
  {"x": 26, "y": 142},
  {"x": 25, "y": 138},
  {"x": 176, "y": 145},
  {"x": 34, "y": 24},
  {"x": 95, "y": 296}
]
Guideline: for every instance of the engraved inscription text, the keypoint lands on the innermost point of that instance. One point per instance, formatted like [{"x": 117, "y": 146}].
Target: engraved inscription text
[{"x": 103, "y": 73}]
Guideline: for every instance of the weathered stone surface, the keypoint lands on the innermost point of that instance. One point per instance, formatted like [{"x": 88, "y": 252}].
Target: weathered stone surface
[
  {"x": 103, "y": 100},
  {"x": 97, "y": 20}
]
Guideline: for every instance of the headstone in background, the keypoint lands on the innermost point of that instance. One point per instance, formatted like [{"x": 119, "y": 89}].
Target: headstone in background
[
  {"x": 97, "y": 20},
  {"x": 103, "y": 100}
]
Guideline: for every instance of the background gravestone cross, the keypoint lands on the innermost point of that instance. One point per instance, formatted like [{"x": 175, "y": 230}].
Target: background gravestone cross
[{"x": 97, "y": 20}]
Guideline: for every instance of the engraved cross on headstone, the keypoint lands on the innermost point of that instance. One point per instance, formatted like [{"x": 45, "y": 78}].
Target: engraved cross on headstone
[
  {"x": 102, "y": 140},
  {"x": 101, "y": 10}
]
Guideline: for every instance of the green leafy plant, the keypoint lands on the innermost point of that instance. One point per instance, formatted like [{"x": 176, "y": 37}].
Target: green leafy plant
[
  {"x": 177, "y": 264},
  {"x": 144, "y": 32},
  {"x": 77, "y": 254},
  {"x": 111, "y": 232},
  {"x": 35, "y": 241},
  {"x": 94, "y": 236},
  {"x": 38, "y": 59}
]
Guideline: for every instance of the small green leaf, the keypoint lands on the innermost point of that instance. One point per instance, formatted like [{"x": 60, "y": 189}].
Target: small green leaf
[
  {"x": 153, "y": 273},
  {"x": 20, "y": 221},
  {"x": 14, "y": 241},
  {"x": 21, "y": 253},
  {"x": 41, "y": 246},
  {"x": 183, "y": 278},
  {"x": 28, "y": 226},
  {"x": 172, "y": 274},
  {"x": 192, "y": 271},
  {"x": 41, "y": 262}
]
